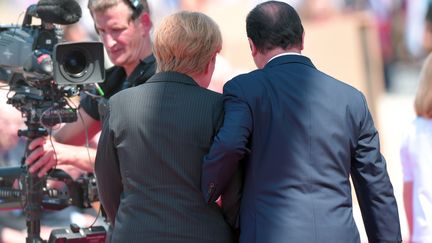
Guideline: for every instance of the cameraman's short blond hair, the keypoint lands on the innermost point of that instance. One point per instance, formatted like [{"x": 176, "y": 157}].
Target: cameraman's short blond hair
[
  {"x": 185, "y": 42},
  {"x": 103, "y": 5}
]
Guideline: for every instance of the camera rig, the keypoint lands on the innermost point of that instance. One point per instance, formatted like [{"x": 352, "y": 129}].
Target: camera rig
[
  {"x": 42, "y": 72},
  {"x": 80, "y": 192}
]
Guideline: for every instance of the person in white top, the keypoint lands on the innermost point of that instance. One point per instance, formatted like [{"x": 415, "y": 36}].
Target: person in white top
[{"x": 416, "y": 158}]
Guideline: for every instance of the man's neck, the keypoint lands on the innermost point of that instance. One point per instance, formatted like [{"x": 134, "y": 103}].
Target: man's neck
[
  {"x": 130, "y": 68},
  {"x": 263, "y": 58},
  {"x": 283, "y": 54},
  {"x": 279, "y": 51}
]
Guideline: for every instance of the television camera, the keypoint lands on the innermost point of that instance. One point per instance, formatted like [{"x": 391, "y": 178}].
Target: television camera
[{"x": 42, "y": 73}]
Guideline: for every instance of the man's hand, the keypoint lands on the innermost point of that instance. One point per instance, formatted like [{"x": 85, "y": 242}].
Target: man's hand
[
  {"x": 42, "y": 156},
  {"x": 46, "y": 154}
]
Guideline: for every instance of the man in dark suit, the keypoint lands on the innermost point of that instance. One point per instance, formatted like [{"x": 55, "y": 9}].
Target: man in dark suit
[
  {"x": 149, "y": 157},
  {"x": 302, "y": 134}
]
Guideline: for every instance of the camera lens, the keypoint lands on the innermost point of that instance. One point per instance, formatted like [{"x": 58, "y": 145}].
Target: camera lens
[{"x": 75, "y": 64}]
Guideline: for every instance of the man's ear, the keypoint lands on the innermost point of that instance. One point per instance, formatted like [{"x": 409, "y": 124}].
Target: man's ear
[
  {"x": 253, "y": 48},
  {"x": 302, "y": 42},
  {"x": 146, "y": 21}
]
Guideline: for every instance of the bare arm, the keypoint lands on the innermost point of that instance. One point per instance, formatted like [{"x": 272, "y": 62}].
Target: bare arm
[
  {"x": 75, "y": 133},
  {"x": 407, "y": 196}
]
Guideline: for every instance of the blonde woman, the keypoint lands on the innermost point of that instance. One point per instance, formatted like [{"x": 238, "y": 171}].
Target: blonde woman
[
  {"x": 416, "y": 158},
  {"x": 148, "y": 162}
]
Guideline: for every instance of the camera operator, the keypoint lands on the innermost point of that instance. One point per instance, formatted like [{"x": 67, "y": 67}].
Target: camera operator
[{"x": 124, "y": 28}]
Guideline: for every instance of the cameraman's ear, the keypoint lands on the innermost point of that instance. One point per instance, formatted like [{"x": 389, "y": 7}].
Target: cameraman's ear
[{"x": 146, "y": 22}]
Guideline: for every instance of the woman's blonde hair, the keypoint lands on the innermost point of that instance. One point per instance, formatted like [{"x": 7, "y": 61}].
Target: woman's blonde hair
[
  {"x": 185, "y": 42},
  {"x": 423, "y": 98}
]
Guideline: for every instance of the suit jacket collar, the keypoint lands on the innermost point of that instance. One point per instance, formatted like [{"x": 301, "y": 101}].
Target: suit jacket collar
[
  {"x": 285, "y": 59},
  {"x": 172, "y": 77}
]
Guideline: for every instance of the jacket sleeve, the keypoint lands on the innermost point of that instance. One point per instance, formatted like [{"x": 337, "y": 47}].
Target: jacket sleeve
[
  {"x": 231, "y": 198},
  {"x": 108, "y": 173},
  {"x": 372, "y": 184},
  {"x": 229, "y": 145}
]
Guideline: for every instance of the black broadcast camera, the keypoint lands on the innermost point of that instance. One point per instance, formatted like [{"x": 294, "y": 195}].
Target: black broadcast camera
[{"x": 42, "y": 72}]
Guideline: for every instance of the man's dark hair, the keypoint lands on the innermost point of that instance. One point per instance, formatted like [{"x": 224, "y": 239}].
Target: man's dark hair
[
  {"x": 429, "y": 13},
  {"x": 274, "y": 24}
]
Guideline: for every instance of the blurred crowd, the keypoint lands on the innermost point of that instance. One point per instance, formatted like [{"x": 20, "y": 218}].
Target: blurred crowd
[{"x": 404, "y": 26}]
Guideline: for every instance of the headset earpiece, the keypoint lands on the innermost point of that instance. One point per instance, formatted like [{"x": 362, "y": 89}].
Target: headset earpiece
[{"x": 137, "y": 8}]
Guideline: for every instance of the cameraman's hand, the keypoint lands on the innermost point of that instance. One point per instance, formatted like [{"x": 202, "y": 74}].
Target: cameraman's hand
[
  {"x": 42, "y": 156},
  {"x": 46, "y": 154}
]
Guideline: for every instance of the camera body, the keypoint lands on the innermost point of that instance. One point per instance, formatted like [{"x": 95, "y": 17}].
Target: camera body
[
  {"x": 39, "y": 53},
  {"x": 95, "y": 234},
  {"x": 17, "y": 43}
]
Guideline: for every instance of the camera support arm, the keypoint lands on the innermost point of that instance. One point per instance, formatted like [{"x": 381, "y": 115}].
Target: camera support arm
[{"x": 33, "y": 187}]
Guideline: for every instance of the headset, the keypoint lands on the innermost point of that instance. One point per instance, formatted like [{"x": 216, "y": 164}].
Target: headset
[{"x": 137, "y": 8}]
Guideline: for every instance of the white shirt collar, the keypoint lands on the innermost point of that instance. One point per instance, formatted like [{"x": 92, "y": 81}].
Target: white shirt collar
[{"x": 284, "y": 54}]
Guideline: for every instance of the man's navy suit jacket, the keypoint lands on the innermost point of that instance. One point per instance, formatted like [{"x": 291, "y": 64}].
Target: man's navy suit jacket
[{"x": 302, "y": 134}]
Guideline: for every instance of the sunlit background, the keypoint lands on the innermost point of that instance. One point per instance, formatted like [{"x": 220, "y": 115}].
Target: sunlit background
[{"x": 377, "y": 46}]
